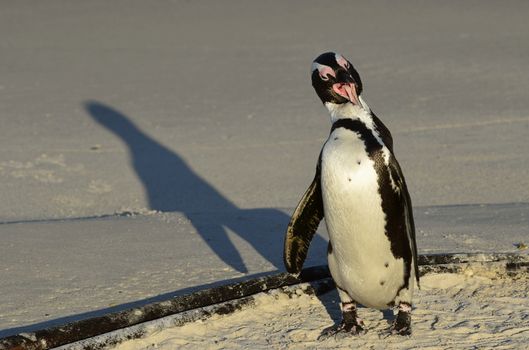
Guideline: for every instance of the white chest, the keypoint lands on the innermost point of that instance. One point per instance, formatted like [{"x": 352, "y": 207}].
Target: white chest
[
  {"x": 361, "y": 261},
  {"x": 350, "y": 186}
]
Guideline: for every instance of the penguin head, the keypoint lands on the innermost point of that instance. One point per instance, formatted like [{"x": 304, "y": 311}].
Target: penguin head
[{"x": 335, "y": 80}]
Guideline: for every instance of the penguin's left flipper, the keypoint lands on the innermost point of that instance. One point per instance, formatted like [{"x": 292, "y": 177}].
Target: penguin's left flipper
[{"x": 303, "y": 226}]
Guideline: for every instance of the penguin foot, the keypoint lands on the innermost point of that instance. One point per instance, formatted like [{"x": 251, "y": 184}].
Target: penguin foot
[
  {"x": 344, "y": 329},
  {"x": 351, "y": 324},
  {"x": 402, "y": 324}
]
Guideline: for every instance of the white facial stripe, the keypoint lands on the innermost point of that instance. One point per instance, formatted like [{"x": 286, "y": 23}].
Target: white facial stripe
[
  {"x": 341, "y": 61},
  {"x": 323, "y": 70}
]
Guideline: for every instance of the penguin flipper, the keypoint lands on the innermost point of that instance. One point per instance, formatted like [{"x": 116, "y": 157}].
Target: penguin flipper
[
  {"x": 303, "y": 226},
  {"x": 398, "y": 177},
  {"x": 411, "y": 231}
]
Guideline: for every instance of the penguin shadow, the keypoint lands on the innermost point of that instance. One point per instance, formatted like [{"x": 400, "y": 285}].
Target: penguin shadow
[{"x": 172, "y": 186}]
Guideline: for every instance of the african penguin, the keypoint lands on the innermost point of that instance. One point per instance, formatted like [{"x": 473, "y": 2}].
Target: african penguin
[{"x": 360, "y": 190}]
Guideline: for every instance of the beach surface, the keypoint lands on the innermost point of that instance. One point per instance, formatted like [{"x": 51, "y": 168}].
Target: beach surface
[{"x": 160, "y": 147}]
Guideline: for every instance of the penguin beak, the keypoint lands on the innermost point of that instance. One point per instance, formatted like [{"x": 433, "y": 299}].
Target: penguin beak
[{"x": 348, "y": 91}]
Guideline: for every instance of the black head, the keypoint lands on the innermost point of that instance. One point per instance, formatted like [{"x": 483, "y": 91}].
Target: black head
[{"x": 335, "y": 79}]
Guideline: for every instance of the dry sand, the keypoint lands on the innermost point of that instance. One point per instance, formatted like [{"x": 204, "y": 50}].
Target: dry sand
[
  {"x": 472, "y": 310},
  {"x": 202, "y": 113}
]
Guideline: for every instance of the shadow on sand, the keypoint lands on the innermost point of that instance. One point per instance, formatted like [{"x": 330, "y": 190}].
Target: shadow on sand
[{"x": 172, "y": 186}]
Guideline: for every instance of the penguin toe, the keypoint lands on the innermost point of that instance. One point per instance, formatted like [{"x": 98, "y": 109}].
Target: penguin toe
[
  {"x": 400, "y": 331},
  {"x": 328, "y": 332}
]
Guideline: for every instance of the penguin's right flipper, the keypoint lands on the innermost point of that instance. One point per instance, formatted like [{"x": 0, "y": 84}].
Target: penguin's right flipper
[
  {"x": 384, "y": 132},
  {"x": 303, "y": 226}
]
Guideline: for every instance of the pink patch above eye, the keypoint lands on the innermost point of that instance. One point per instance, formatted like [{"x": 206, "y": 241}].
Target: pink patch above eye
[
  {"x": 324, "y": 71},
  {"x": 342, "y": 61}
]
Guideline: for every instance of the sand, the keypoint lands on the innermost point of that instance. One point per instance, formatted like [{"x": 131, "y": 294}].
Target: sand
[
  {"x": 471, "y": 310},
  {"x": 150, "y": 148}
]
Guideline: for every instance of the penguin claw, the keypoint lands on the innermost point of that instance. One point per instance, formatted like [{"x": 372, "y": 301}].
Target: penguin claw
[{"x": 402, "y": 331}]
